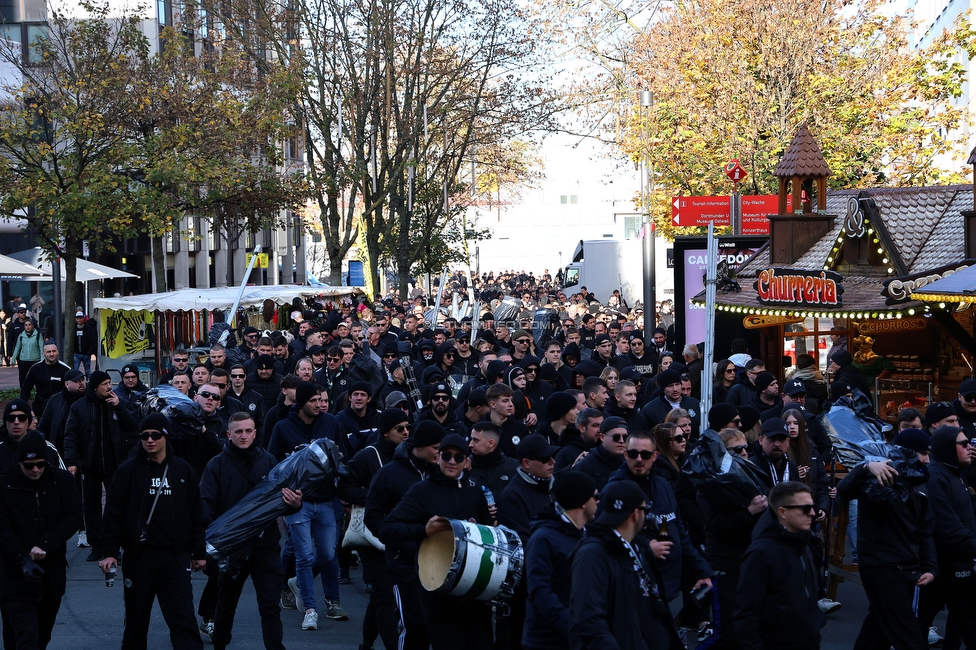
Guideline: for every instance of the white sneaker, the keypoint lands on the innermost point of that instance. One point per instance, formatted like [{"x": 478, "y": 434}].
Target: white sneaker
[
  {"x": 828, "y": 606},
  {"x": 293, "y": 585},
  {"x": 83, "y": 539},
  {"x": 311, "y": 621},
  {"x": 934, "y": 638}
]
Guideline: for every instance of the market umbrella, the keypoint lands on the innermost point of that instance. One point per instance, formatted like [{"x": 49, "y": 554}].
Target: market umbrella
[
  {"x": 86, "y": 271},
  {"x": 13, "y": 269}
]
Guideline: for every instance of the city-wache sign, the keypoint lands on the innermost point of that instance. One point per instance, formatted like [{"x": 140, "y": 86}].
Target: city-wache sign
[
  {"x": 799, "y": 288},
  {"x": 900, "y": 289}
]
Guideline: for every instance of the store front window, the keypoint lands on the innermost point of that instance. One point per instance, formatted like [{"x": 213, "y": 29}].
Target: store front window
[{"x": 812, "y": 336}]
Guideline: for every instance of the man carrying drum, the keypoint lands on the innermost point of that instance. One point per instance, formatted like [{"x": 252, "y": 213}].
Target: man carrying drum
[{"x": 453, "y": 622}]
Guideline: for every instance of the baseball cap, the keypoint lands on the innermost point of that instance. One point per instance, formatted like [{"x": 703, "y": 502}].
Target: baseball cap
[
  {"x": 774, "y": 428},
  {"x": 795, "y": 387},
  {"x": 617, "y": 501}
]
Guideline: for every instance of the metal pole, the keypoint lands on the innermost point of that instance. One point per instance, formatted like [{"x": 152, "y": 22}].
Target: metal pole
[
  {"x": 647, "y": 191},
  {"x": 58, "y": 309},
  {"x": 240, "y": 291},
  {"x": 711, "y": 278},
  {"x": 735, "y": 211}
]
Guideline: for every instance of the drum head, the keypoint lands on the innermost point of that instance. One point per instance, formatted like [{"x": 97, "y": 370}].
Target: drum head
[{"x": 435, "y": 558}]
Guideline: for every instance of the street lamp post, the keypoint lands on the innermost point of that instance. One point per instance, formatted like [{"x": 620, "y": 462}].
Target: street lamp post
[{"x": 647, "y": 190}]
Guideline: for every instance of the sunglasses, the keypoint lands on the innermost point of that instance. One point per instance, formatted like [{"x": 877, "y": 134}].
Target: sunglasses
[
  {"x": 206, "y": 394},
  {"x": 146, "y": 435},
  {"x": 679, "y": 438},
  {"x": 523, "y": 341},
  {"x": 17, "y": 418},
  {"x": 964, "y": 443},
  {"x": 642, "y": 453},
  {"x": 238, "y": 376},
  {"x": 457, "y": 456},
  {"x": 730, "y": 371},
  {"x": 335, "y": 359},
  {"x": 440, "y": 398},
  {"x": 808, "y": 508},
  {"x": 400, "y": 428},
  {"x": 542, "y": 460},
  {"x": 618, "y": 437},
  {"x": 389, "y": 356},
  {"x": 219, "y": 385},
  {"x": 737, "y": 449},
  {"x": 969, "y": 398},
  {"x": 181, "y": 359},
  {"x": 531, "y": 371},
  {"x": 449, "y": 354},
  {"x": 40, "y": 464}
]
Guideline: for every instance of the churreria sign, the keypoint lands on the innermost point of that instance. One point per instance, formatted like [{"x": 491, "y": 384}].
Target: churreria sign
[{"x": 797, "y": 288}]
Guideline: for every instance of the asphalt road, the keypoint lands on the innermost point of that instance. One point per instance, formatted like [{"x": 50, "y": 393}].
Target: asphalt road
[{"x": 91, "y": 616}]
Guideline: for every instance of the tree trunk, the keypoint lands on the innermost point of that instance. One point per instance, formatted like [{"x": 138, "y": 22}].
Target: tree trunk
[
  {"x": 70, "y": 261},
  {"x": 335, "y": 265},
  {"x": 159, "y": 265},
  {"x": 403, "y": 272}
]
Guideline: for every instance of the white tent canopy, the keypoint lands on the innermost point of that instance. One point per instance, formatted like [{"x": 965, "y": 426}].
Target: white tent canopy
[
  {"x": 85, "y": 272},
  {"x": 12, "y": 269},
  {"x": 222, "y": 298}
]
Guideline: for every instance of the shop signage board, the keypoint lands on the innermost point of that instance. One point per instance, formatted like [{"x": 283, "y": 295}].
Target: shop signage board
[
  {"x": 799, "y": 288},
  {"x": 898, "y": 290},
  {"x": 756, "y": 321},
  {"x": 887, "y": 326},
  {"x": 699, "y": 211}
]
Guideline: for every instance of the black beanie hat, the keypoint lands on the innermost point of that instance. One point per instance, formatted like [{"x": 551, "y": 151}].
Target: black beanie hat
[
  {"x": 842, "y": 358},
  {"x": 389, "y": 418},
  {"x": 97, "y": 378},
  {"x": 720, "y": 415},
  {"x": 572, "y": 489},
  {"x": 363, "y": 386},
  {"x": 16, "y": 405},
  {"x": 427, "y": 433},
  {"x": 667, "y": 378},
  {"x": 748, "y": 416},
  {"x": 763, "y": 380},
  {"x": 31, "y": 447},
  {"x": 304, "y": 392},
  {"x": 155, "y": 421},
  {"x": 559, "y": 404}
]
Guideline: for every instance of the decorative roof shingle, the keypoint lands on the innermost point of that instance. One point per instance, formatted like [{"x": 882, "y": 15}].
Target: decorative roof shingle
[{"x": 803, "y": 157}]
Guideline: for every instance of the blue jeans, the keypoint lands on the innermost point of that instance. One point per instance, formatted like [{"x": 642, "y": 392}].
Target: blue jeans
[
  {"x": 84, "y": 359},
  {"x": 313, "y": 537}
]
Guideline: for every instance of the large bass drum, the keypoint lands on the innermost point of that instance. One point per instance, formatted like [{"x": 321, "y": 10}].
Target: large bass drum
[{"x": 472, "y": 561}]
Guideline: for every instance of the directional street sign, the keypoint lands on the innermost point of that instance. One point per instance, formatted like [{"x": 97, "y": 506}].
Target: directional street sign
[{"x": 693, "y": 211}]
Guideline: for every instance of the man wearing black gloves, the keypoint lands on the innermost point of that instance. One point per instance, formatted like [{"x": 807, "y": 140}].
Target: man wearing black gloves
[
  {"x": 95, "y": 441},
  {"x": 777, "y": 598},
  {"x": 40, "y": 508},
  {"x": 548, "y": 569},
  {"x": 152, "y": 512},
  {"x": 452, "y": 623},
  {"x": 227, "y": 479},
  {"x": 897, "y": 518},
  {"x": 411, "y": 464},
  {"x": 955, "y": 544},
  {"x": 616, "y": 599}
]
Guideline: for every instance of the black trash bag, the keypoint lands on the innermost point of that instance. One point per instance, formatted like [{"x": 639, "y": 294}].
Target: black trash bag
[
  {"x": 722, "y": 479},
  {"x": 507, "y": 310},
  {"x": 855, "y": 438},
  {"x": 911, "y": 472},
  {"x": 231, "y": 536},
  {"x": 184, "y": 414},
  {"x": 545, "y": 323}
]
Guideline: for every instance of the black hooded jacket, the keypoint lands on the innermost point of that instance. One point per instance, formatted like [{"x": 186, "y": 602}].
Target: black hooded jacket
[
  {"x": 493, "y": 471},
  {"x": 776, "y": 608},
  {"x": 952, "y": 508},
  {"x": 387, "y": 488},
  {"x": 571, "y": 445},
  {"x": 56, "y": 417},
  {"x": 96, "y": 433},
  {"x": 600, "y": 464},
  {"x": 361, "y": 469}
]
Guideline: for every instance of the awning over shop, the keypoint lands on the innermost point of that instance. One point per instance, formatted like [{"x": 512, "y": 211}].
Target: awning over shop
[
  {"x": 85, "y": 272},
  {"x": 960, "y": 287},
  {"x": 222, "y": 298}
]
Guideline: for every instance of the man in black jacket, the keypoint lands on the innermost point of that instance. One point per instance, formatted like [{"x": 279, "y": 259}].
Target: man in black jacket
[
  {"x": 96, "y": 442},
  {"x": 40, "y": 508},
  {"x": 227, "y": 479},
  {"x": 411, "y": 463},
  {"x": 897, "y": 518},
  {"x": 657, "y": 409},
  {"x": 358, "y": 422},
  {"x": 452, "y": 623},
  {"x": 45, "y": 378},
  {"x": 575, "y": 441},
  {"x": 252, "y": 400},
  {"x": 56, "y": 412},
  {"x": 265, "y": 380},
  {"x": 616, "y": 600},
  {"x": 440, "y": 406},
  {"x": 490, "y": 468},
  {"x": 607, "y": 457},
  {"x": 777, "y": 598},
  {"x": 152, "y": 512},
  {"x": 955, "y": 544}
]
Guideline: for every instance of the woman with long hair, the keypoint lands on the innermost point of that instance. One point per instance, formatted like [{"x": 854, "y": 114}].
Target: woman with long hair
[
  {"x": 809, "y": 466},
  {"x": 723, "y": 380},
  {"x": 682, "y": 419}
]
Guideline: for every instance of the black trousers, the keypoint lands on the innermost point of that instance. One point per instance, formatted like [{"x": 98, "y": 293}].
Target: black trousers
[
  {"x": 208, "y": 599},
  {"x": 891, "y": 621},
  {"x": 381, "y": 611},
  {"x": 91, "y": 493},
  {"x": 956, "y": 591},
  {"x": 264, "y": 569},
  {"x": 508, "y": 629},
  {"x": 163, "y": 576},
  {"x": 457, "y": 623},
  {"x": 723, "y": 607},
  {"x": 30, "y": 623},
  {"x": 412, "y": 625}
]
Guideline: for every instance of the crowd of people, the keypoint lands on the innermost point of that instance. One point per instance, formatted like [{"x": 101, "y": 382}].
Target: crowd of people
[{"x": 577, "y": 444}]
